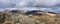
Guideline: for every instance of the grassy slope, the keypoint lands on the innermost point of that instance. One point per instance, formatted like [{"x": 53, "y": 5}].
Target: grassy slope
[{"x": 32, "y": 19}]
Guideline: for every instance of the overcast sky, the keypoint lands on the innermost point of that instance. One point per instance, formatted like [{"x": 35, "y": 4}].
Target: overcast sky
[
  {"x": 41, "y": 3},
  {"x": 14, "y": 4}
]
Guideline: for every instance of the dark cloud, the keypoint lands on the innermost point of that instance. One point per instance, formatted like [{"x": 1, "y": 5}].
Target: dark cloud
[{"x": 9, "y": 5}]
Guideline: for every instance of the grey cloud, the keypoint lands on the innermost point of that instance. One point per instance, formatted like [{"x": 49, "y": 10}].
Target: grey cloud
[
  {"x": 41, "y": 3},
  {"x": 38, "y": 3},
  {"x": 3, "y": 5}
]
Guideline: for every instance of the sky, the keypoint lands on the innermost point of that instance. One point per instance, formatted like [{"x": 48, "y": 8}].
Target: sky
[
  {"x": 41, "y": 3},
  {"x": 45, "y": 5}
]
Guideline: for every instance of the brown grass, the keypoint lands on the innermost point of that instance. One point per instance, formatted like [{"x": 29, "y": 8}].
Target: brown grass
[{"x": 32, "y": 19}]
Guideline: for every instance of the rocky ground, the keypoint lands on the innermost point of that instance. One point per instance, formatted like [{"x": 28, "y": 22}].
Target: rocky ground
[{"x": 30, "y": 17}]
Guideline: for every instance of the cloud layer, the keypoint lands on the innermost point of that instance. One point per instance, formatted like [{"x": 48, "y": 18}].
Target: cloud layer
[
  {"x": 40, "y": 3},
  {"x": 27, "y": 5}
]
